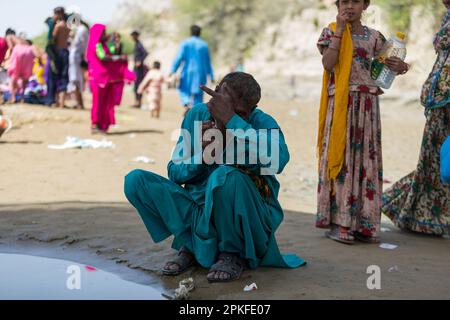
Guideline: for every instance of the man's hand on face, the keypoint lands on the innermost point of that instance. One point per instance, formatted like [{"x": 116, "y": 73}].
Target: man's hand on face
[
  {"x": 205, "y": 127},
  {"x": 221, "y": 106}
]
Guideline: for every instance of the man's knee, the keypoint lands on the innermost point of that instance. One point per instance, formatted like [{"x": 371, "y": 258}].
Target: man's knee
[
  {"x": 134, "y": 182},
  {"x": 233, "y": 179}
]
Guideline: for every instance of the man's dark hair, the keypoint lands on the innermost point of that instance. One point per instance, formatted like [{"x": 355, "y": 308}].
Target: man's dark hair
[
  {"x": 60, "y": 11},
  {"x": 196, "y": 31},
  {"x": 157, "y": 65},
  {"x": 245, "y": 87},
  {"x": 135, "y": 34},
  {"x": 30, "y": 42},
  {"x": 9, "y": 32},
  {"x": 365, "y": 1}
]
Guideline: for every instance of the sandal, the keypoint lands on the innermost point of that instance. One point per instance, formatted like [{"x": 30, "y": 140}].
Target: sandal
[
  {"x": 338, "y": 235},
  {"x": 228, "y": 263},
  {"x": 367, "y": 239},
  {"x": 184, "y": 261}
]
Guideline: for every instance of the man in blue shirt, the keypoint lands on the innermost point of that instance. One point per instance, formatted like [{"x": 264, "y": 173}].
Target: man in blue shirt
[{"x": 195, "y": 58}]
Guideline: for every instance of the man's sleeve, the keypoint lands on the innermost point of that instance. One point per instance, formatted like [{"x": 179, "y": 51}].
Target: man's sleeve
[
  {"x": 179, "y": 58},
  {"x": 209, "y": 65},
  {"x": 142, "y": 53},
  {"x": 100, "y": 51},
  {"x": 258, "y": 142},
  {"x": 186, "y": 166}
]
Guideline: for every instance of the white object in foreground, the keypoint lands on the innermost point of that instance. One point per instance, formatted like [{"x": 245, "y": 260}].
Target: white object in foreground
[
  {"x": 77, "y": 143},
  {"x": 144, "y": 159},
  {"x": 388, "y": 246},
  {"x": 251, "y": 287}
]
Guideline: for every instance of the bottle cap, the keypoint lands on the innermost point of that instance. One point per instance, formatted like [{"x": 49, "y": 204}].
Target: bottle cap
[{"x": 401, "y": 36}]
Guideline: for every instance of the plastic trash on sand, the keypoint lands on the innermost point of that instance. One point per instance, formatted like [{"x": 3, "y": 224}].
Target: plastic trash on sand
[
  {"x": 251, "y": 287},
  {"x": 144, "y": 159},
  {"x": 90, "y": 269},
  {"x": 77, "y": 143},
  {"x": 394, "y": 269},
  {"x": 388, "y": 246},
  {"x": 186, "y": 286}
]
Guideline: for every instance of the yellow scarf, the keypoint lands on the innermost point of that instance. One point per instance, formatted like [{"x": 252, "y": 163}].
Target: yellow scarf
[{"x": 336, "y": 149}]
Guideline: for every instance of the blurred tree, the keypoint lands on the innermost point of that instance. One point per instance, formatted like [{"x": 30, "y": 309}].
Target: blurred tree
[
  {"x": 230, "y": 27},
  {"x": 399, "y": 11}
]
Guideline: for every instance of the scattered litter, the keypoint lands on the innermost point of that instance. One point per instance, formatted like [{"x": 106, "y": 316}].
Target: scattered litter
[
  {"x": 132, "y": 135},
  {"x": 394, "y": 269},
  {"x": 120, "y": 250},
  {"x": 90, "y": 269},
  {"x": 388, "y": 246},
  {"x": 144, "y": 159},
  {"x": 251, "y": 287},
  {"x": 77, "y": 143},
  {"x": 385, "y": 230},
  {"x": 293, "y": 113},
  {"x": 185, "y": 288}
]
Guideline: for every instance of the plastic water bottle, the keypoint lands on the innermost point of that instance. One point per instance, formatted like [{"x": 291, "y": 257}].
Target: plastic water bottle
[{"x": 380, "y": 73}]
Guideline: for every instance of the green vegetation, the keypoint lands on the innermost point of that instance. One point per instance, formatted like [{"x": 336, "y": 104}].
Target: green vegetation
[
  {"x": 230, "y": 27},
  {"x": 41, "y": 40},
  {"x": 399, "y": 11}
]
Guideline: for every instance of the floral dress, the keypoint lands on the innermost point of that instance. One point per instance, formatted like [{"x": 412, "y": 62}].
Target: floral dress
[
  {"x": 420, "y": 202},
  {"x": 353, "y": 200}
]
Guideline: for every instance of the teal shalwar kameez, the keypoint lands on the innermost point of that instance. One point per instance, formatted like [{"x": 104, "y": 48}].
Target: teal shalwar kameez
[{"x": 219, "y": 209}]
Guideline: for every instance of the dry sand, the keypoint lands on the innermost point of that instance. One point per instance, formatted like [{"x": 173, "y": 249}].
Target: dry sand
[{"x": 69, "y": 204}]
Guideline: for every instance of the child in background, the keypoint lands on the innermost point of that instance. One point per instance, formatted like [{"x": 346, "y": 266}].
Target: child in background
[
  {"x": 349, "y": 144},
  {"x": 152, "y": 84}
]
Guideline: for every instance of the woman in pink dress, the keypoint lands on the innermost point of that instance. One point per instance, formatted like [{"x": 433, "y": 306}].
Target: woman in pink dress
[
  {"x": 20, "y": 66},
  {"x": 107, "y": 73}
]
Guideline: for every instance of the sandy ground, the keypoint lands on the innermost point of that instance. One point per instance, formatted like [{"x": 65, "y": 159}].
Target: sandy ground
[{"x": 69, "y": 204}]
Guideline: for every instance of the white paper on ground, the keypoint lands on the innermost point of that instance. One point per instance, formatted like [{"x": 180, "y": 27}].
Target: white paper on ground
[
  {"x": 77, "y": 143},
  {"x": 388, "y": 246},
  {"x": 293, "y": 113},
  {"x": 394, "y": 269},
  {"x": 144, "y": 159},
  {"x": 251, "y": 287}
]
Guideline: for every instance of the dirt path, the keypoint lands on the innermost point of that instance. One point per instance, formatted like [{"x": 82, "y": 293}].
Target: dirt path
[{"x": 70, "y": 204}]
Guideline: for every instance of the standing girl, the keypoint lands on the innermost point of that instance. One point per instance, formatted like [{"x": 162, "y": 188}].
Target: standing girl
[{"x": 349, "y": 141}]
